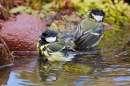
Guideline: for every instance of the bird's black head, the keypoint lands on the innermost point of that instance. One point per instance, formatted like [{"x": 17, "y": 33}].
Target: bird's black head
[
  {"x": 97, "y": 14},
  {"x": 49, "y": 33},
  {"x": 49, "y": 36}
]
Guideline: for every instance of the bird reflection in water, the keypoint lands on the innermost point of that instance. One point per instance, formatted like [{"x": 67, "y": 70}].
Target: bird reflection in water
[
  {"x": 49, "y": 71},
  {"x": 84, "y": 70}
]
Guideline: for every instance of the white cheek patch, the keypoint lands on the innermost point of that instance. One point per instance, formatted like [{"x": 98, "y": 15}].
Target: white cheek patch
[
  {"x": 97, "y": 17},
  {"x": 50, "y": 39}
]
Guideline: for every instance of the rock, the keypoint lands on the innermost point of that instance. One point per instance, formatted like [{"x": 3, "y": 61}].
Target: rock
[
  {"x": 22, "y": 33},
  {"x": 5, "y": 55}
]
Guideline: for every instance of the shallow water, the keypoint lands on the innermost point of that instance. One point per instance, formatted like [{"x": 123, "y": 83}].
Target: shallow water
[{"x": 84, "y": 71}]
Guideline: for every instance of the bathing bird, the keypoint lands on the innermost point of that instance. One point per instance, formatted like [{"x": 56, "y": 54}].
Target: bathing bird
[
  {"x": 53, "y": 48},
  {"x": 91, "y": 29}
]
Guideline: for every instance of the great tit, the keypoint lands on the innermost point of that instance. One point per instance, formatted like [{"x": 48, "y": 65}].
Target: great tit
[
  {"x": 48, "y": 36},
  {"x": 89, "y": 32},
  {"x": 54, "y": 48}
]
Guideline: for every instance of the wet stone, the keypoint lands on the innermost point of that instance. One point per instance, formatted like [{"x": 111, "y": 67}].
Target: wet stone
[{"x": 22, "y": 32}]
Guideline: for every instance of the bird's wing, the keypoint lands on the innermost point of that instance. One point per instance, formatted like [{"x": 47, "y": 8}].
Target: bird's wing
[
  {"x": 90, "y": 38},
  {"x": 57, "y": 46},
  {"x": 77, "y": 32}
]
